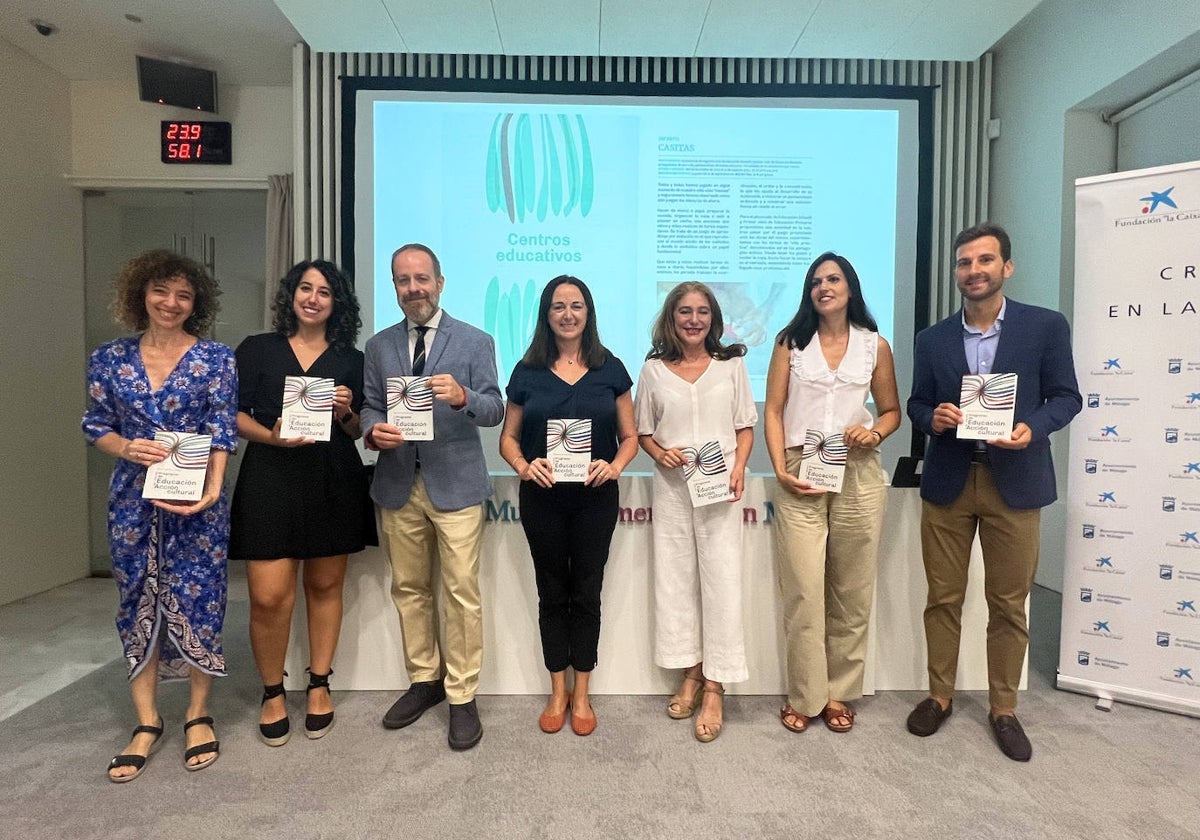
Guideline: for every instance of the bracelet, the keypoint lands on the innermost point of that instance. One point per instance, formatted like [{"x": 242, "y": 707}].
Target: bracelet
[{"x": 878, "y": 437}]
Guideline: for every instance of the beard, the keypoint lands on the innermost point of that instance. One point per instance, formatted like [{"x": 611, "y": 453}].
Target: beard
[{"x": 419, "y": 309}]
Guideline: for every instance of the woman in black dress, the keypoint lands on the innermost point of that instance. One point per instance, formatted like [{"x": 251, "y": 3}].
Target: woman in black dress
[{"x": 296, "y": 498}]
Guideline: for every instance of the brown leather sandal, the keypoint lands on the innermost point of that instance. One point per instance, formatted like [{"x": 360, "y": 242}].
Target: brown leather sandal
[
  {"x": 793, "y": 720},
  {"x": 838, "y": 720}
]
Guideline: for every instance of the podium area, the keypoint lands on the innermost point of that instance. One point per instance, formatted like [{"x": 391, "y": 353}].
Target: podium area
[{"x": 370, "y": 655}]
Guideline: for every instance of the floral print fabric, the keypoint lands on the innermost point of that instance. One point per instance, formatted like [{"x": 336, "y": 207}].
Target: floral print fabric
[{"x": 170, "y": 570}]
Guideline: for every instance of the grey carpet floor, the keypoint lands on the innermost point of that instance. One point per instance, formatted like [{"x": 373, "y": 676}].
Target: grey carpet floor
[{"x": 1131, "y": 773}]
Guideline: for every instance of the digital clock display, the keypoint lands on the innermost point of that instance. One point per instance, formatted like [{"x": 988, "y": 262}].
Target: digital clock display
[{"x": 196, "y": 142}]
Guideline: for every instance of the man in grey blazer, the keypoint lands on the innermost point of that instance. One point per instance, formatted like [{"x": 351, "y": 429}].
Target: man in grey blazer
[
  {"x": 431, "y": 493},
  {"x": 996, "y": 487}
]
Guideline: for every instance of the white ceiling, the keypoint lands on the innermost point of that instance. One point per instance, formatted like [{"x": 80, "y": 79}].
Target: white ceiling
[{"x": 249, "y": 41}]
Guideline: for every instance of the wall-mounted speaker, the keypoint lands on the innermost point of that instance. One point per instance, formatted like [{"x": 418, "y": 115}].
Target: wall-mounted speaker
[{"x": 168, "y": 83}]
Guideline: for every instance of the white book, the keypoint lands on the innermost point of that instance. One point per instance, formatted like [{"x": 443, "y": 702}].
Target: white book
[
  {"x": 410, "y": 406},
  {"x": 988, "y": 403},
  {"x": 569, "y": 448},
  {"x": 179, "y": 476},
  {"x": 823, "y": 462},
  {"x": 706, "y": 474},
  {"x": 307, "y": 407}
]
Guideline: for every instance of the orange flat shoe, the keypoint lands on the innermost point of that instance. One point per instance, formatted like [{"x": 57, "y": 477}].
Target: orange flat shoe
[
  {"x": 582, "y": 725},
  {"x": 551, "y": 723}
]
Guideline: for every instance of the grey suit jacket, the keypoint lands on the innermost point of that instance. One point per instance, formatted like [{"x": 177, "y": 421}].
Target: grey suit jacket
[{"x": 453, "y": 464}]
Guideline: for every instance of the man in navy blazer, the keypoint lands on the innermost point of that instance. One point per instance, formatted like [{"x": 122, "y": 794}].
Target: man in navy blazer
[
  {"x": 998, "y": 486},
  {"x": 431, "y": 493}
]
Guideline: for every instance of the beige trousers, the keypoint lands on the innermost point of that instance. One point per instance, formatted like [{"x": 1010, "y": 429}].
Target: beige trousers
[
  {"x": 1010, "y": 541},
  {"x": 826, "y": 546},
  {"x": 419, "y": 539}
]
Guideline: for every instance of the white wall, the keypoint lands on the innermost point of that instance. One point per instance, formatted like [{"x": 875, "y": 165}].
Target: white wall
[
  {"x": 116, "y": 136},
  {"x": 1070, "y": 54},
  {"x": 43, "y": 527},
  {"x": 55, "y": 134}
]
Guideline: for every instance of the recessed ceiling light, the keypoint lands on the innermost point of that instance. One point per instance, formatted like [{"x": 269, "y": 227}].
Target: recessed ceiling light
[{"x": 133, "y": 18}]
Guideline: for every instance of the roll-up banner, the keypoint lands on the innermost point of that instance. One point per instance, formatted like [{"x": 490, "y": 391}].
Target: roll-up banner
[{"x": 1131, "y": 587}]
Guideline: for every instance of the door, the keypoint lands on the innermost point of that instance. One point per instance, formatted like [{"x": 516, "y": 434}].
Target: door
[{"x": 223, "y": 229}]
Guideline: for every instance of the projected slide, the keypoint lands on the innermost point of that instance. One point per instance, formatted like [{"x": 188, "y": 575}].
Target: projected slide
[{"x": 632, "y": 196}]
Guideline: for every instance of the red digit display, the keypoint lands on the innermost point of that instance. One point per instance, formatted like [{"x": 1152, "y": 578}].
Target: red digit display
[{"x": 196, "y": 142}]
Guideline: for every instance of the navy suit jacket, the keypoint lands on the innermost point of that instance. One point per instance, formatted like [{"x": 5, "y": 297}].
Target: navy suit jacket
[
  {"x": 452, "y": 465},
  {"x": 1035, "y": 344}
]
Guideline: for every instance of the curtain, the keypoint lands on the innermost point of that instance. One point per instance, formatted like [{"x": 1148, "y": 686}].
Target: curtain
[{"x": 279, "y": 238}]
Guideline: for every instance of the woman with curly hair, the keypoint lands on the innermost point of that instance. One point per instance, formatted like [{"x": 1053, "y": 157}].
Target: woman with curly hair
[
  {"x": 296, "y": 498},
  {"x": 694, "y": 390},
  {"x": 169, "y": 556}
]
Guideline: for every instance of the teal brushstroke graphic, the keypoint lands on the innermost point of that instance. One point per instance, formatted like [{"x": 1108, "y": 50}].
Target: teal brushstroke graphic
[
  {"x": 539, "y": 166},
  {"x": 585, "y": 199},
  {"x": 555, "y": 178},
  {"x": 495, "y": 183},
  {"x": 572, "y": 164},
  {"x": 509, "y": 318}
]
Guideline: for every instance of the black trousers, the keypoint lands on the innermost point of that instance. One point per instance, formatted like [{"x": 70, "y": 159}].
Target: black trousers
[{"x": 569, "y": 528}]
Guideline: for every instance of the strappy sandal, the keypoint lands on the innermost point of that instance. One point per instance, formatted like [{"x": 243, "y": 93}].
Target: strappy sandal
[
  {"x": 706, "y": 732},
  {"x": 679, "y": 710},
  {"x": 316, "y": 726},
  {"x": 213, "y": 746},
  {"x": 277, "y": 732},
  {"x": 838, "y": 720},
  {"x": 793, "y": 720},
  {"x": 133, "y": 759}
]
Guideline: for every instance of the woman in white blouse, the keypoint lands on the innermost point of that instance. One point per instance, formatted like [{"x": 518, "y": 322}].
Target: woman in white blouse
[
  {"x": 692, "y": 391},
  {"x": 826, "y": 362}
]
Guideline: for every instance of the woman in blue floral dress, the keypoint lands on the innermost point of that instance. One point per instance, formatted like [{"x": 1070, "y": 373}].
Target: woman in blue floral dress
[{"x": 169, "y": 557}]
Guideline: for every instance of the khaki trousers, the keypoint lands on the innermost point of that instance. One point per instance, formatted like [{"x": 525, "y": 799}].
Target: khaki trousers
[
  {"x": 417, "y": 535},
  {"x": 826, "y": 547},
  {"x": 1010, "y": 540}
]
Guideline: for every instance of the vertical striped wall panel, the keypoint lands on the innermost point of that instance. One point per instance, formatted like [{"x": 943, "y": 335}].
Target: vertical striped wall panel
[{"x": 961, "y": 149}]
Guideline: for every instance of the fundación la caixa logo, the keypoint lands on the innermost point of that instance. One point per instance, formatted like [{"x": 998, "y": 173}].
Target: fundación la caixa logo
[
  {"x": 1101, "y": 627},
  {"x": 1108, "y": 499},
  {"x": 1180, "y": 674},
  {"x": 1186, "y": 401},
  {"x": 1109, "y": 366},
  {"x": 1187, "y": 469},
  {"x": 1158, "y": 199},
  {"x": 1160, "y": 206},
  {"x": 1108, "y": 433},
  {"x": 1182, "y": 608}
]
